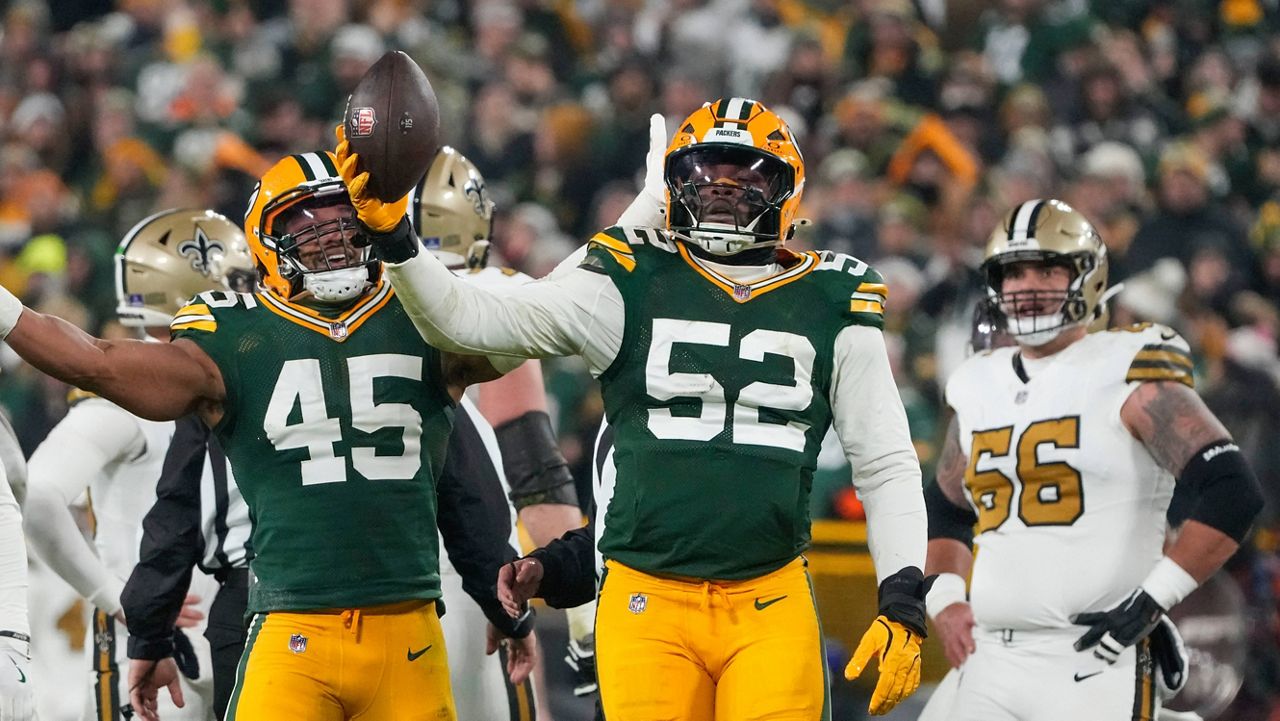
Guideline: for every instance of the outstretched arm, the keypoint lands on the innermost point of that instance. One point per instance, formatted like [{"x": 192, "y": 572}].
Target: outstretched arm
[{"x": 157, "y": 381}]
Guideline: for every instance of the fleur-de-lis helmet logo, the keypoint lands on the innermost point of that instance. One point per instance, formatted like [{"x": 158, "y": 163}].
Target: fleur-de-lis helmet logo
[{"x": 200, "y": 250}]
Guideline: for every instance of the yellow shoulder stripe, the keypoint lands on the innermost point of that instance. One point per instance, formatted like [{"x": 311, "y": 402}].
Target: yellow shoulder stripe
[
  {"x": 611, "y": 243},
  {"x": 194, "y": 309},
  {"x": 879, "y": 289},
  {"x": 209, "y": 326},
  {"x": 858, "y": 305},
  {"x": 1175, "y": 357},
  {"x": 626, "y": 261}
]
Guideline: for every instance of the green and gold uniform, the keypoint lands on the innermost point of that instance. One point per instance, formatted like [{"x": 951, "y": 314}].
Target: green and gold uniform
[
  {"x": 718, "y": 401},
  {"x": 336, "y": 429}
]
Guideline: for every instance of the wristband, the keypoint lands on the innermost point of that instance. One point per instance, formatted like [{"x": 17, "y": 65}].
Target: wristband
[
  {"x": 1168, "y": 583},
  {"x": 948, "y": 589}
]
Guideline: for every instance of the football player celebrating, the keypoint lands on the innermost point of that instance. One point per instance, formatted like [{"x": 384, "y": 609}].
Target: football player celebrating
[
  {"x": 723, "y": 358},
  {"x": 17, "y": 690},
  {"x": 160, "y": 264},
  {"x": 1059, "y": 465},
  {"x": 334, "y": 414}
]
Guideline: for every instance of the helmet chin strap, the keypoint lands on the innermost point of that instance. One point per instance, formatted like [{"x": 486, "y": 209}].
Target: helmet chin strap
[{"x": 337, "y": 286}]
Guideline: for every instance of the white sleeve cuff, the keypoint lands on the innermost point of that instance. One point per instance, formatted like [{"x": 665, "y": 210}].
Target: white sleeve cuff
[
  {"x": 1168, "y": 583},
  {"x": 948, "y": 590}
]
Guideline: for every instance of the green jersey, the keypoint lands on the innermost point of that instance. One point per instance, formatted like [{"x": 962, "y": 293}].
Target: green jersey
[
  {"x": 336, "y": 430},
  {"x": 718, "y": 399}
]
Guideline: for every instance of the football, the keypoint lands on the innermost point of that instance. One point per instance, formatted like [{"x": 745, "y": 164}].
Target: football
[{"x": 393, "y": 123}]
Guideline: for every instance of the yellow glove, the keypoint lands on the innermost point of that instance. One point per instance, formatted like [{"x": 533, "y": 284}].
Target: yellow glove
[
  {"x": 380, "y": 217},
  {"x": 897, "y": 652}
]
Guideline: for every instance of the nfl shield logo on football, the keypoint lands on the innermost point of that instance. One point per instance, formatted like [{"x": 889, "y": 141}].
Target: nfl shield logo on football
[
  {"x": 741, "y": 292},
  {"x": 362, "y": 122},
  {"x": 638, "y": 602},
  {"x": 297, "y": 643},
  {"x": 337, "y": 331}
]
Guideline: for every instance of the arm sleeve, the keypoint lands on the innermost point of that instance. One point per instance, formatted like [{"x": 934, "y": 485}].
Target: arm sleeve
[
  {"x": 171, "y": 546},
  {"x": 13, "y": 562},
  {"x": 93, "y": 435},
  {"x": 573, "y": 312},
  {"x": 568, "y": 568},
  {"x": 475, "y": 520},
  {"x": 872, "y": 426}
]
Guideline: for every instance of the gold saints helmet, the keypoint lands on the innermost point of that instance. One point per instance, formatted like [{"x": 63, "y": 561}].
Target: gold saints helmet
[
  {"x": 734, "y": 178},
  {"x": 172, "y": 255},
  {"x": 451, "y": 211},
  {"x": 1050, "y": 232}
]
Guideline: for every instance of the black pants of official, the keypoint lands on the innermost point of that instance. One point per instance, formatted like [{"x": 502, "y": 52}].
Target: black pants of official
[{"x": 226, "y": 633}]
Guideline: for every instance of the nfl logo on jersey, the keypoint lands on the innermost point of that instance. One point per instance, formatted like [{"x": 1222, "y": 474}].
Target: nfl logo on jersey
[
  {"x": 741, "y": 292},
  {"x": 638, "y": 602},
  {"x": 337, "y": 330},
  {"x": 297, "y": 643}
]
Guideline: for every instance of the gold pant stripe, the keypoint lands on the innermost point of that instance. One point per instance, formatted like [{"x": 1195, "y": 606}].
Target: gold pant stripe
[
  {"x": 106, "y": 691},
  {"x": 519, "y": 697},
  {"x": 1144, "y": 688}
]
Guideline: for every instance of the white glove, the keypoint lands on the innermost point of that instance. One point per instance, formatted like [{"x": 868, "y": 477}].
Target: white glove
[
  {"x": 649, "y": 209},
  {"x": 17, "y": 693}
]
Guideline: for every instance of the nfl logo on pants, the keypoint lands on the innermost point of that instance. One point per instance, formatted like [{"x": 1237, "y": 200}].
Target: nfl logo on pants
[
  {"x": 297, "y": 643},
  {"x": 638, "y": 602}
]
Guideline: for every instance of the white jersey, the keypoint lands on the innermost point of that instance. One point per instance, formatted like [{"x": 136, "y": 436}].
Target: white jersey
[
  {"x": 117, "y": 458},
  {"x": 1071, "y": 507}
]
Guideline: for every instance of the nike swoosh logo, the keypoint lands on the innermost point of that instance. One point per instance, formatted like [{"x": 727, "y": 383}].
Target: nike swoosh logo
[
  {"x": 22, "y": 677},
  {"x": 762, "y": 605},
  {"x": 1080, "y": 678},
  {"x": 413, "y": 655}
]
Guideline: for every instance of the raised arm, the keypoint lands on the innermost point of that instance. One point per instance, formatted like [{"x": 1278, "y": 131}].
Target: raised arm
[{"x": 157, "y": 381}]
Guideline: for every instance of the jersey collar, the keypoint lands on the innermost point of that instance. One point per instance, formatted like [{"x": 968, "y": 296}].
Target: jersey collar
[
  {"x": 742, "y": 292},
  {"x": 339, "y": 327}
]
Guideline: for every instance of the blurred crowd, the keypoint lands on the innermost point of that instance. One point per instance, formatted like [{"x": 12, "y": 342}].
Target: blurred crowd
[{"x": 921, "y": 122}]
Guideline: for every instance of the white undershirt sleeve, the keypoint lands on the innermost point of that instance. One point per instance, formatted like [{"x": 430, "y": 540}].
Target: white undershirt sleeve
[
  {"x": 572, "y": 312},
  {"x": 872, "y": 426},
  {"x": 13, "y": 562},
  {"x": 93, "y": 435}
]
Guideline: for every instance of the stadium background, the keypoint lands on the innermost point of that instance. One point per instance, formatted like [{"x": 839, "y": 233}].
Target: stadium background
[{"x": 921, "y": 121}]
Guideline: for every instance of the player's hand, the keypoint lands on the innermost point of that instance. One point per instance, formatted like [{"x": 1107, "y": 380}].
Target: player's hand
[
  {"x": 17, "y": 692},
  {"x": 650, "y": 206},
  {"x": 146, "y": 678},
  {"x": 1111, "y": 632},
  {"x": 955, "y": 625},
  {"x": 190, "y": 616},
  {"x": 517, "y": 582},
  {"x": 378, "y": 216},
  {"x": 896, "y": 650},
  {"x": 521, "y": 653}
]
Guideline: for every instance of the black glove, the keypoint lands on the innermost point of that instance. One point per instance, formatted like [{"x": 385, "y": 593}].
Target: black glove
[
  {"x": 184, "y": 655},
  {"x": 1170, "y": 656},
  {"x": 395, "y": 246},
  {"x": 902, "y": 598},
  {"x": 1111, "y": 632}
]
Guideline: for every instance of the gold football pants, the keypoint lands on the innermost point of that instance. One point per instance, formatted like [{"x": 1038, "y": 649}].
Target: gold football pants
[
  {"x": 671, "y": 650},
  {"x": 383, "y": 663}
]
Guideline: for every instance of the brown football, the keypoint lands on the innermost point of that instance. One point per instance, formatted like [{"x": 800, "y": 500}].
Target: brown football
[{"x": 393, "y": 123}]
